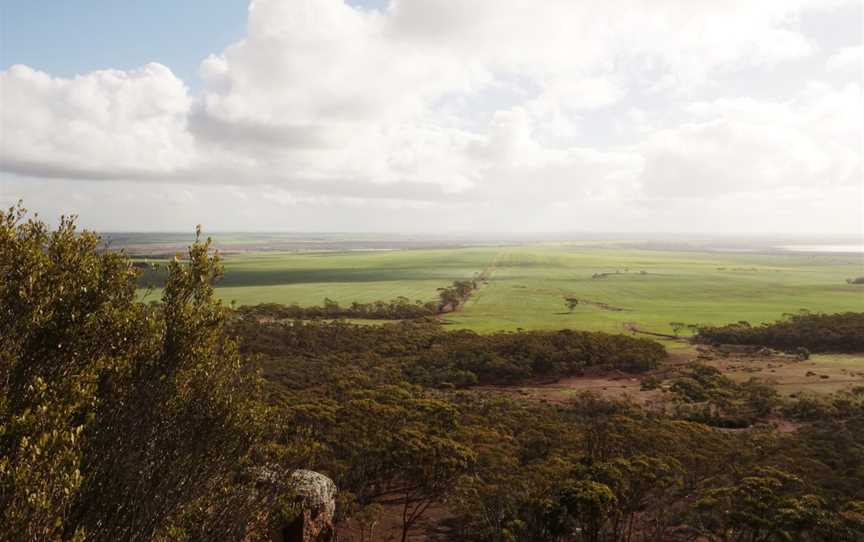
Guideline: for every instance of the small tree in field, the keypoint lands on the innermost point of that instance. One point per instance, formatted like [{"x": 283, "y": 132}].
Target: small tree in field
[{"x": 571, "y": 303}]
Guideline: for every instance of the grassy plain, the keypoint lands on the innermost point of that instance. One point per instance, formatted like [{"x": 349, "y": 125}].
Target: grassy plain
[
  {"x": 529, "y": 284},
  {"x": 654, "y": 288},
  {"x": 363, "y": 276}
]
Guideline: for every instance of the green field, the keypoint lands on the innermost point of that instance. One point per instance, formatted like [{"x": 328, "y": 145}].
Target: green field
[
  {"x": 529, "y": 284},
  {"x": 363, "y": 276}
]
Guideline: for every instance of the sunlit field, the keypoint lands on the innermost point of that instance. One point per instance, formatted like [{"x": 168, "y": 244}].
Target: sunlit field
[
  {"x": 650, "y": 289},
  {"x": 616, "y": 288}
]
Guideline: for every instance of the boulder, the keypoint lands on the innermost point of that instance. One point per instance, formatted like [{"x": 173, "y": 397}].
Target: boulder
[{"x": 316, "y": 494}]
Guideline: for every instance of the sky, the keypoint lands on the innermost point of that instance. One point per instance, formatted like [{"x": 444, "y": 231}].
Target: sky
[{"x": 436, "y": 116}]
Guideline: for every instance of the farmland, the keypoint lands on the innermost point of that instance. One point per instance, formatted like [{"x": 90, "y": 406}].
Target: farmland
[
  {"x": 653, "y": 288},
  {"x": 363, "y": 276},
  {"x": 617, "y": 288}
]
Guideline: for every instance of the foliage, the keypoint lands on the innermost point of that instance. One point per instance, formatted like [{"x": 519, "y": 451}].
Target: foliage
[
  {"x": 454, "y": 296},
  {"x": 770, "y": 504},
  {"x": 427, "y": 355},
  {"x": 118, "y": 421},
  {"x": 400, "y": 308},
  {"x": 705, "y": 395},
  {"x": 841, "y": 332}
]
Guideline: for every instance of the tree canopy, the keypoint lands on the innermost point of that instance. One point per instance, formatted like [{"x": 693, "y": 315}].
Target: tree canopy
[{"x": 118, "y": 420}]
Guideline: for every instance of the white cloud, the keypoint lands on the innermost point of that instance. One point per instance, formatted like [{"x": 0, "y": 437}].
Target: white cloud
[
  {"x": 847, "y": 60},
  {"x": 103, "y": 124},
  {"x": 434, "y": 102},
  {"x": 746, "y": 145}
]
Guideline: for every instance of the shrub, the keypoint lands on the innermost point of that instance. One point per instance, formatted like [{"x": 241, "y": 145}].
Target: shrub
[{"x": 118, "y": 420}]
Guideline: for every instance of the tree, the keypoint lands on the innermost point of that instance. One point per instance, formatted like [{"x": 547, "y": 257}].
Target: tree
[
  {"x": 331, "y": 307},
  {"x": 118, "y": 420},
  {"x": 766, "y": 505},
  {"x": 588, "y": 505},
  {"x": 637, "y": 482},
  {"x": 571, "y": 303},
  {"x": 430, "y": 467},
  {"x": 396, "y": 446}
]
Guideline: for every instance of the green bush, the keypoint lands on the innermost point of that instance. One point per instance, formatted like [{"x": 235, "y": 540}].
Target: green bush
[{"x": 118, "y": 421}]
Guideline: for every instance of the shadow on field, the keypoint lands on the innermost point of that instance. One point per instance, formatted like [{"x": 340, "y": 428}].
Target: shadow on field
[{"x": 279, "y": 277}]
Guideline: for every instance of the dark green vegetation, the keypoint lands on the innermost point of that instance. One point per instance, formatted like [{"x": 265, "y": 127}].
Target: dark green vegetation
[
  {"x": 118, "y": 420},
  {"x": 703, "y": 394},
  {"x": 586, "y": 470},
  {"x": 842, "y": 332},
  {"x": 128, "y": 421},
  {"x": 424, "y": 354},
  {"x": 401, "y": 308}
]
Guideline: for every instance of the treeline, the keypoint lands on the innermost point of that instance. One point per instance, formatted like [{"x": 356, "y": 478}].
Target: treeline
[
  {"x": 450, "y": 299},
  {"x": 841, "y": 332},
  {"x": 400, "y": 308},
  {"x": 425, "y": 354},
  {"x": 453, "y": 297}
]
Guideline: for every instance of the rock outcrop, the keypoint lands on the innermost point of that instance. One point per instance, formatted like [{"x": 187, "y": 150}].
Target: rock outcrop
[{"x": 316, "y": 494}]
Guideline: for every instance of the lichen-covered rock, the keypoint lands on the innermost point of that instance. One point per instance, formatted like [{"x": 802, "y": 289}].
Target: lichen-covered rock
[
  {"x": 319, "y": 503},
  {"x": 317, "y": 496}
]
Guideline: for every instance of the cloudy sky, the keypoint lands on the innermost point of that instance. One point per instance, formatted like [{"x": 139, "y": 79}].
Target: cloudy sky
[{"x": 436, "y": 115}]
